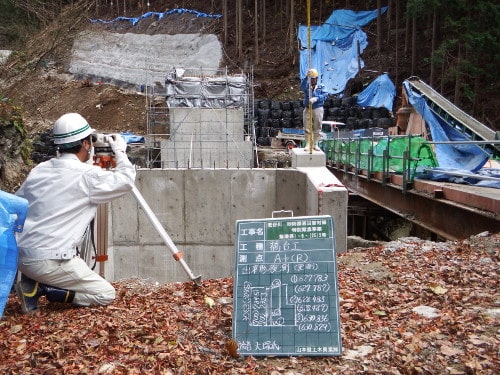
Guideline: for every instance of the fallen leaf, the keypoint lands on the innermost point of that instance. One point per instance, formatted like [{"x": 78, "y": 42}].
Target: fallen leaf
[
  {"x": 437, "y": 289},
  {"x": 449, "y": 350}
]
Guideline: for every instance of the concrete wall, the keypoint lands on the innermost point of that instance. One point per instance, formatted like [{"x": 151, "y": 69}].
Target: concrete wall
[
  {"x": 199, "y": 208},
  {"x": 206, "y": 138}
]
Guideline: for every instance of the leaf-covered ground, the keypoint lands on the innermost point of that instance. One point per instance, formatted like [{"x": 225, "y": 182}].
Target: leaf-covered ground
[{"x": 408, "y": 307}]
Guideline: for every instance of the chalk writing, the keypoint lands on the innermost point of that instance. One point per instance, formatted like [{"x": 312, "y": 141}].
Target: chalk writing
[{"x": 286, "y": 293}]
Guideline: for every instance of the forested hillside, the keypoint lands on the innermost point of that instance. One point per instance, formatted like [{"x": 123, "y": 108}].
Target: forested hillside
[{"x": 452, "y": 45}]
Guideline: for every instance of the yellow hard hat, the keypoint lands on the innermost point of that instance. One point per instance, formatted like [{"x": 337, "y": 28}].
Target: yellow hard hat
[{"x": 313, "y": 73}]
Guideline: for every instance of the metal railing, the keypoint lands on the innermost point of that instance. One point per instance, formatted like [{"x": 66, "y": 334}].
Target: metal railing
[
  {"x": 405, "y": 155},
  {"x": 387, "y": 155}
]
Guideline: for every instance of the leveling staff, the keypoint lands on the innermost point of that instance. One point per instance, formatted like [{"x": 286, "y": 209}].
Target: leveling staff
[{"x": 63, "y": 195}]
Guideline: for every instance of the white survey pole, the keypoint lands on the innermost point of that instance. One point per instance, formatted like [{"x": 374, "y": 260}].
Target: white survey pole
[{"x": 164, "y": 235}]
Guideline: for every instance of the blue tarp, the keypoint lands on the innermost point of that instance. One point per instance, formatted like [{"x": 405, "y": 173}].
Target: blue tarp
[
  {"x": 129, "y": 137},
  {"x": 485, "y": 177},
  {"x": 160, "y": 15},
  {"x": 457, "y": 159},
  {"x": 13, "y": 211},
  {"x": 379, "y": 93},
  {"x": 468, "y": 157},
  {"x": 334, "y": 47}
]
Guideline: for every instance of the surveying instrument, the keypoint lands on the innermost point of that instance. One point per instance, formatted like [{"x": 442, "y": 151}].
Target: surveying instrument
[{"x": 105, "y": 158}]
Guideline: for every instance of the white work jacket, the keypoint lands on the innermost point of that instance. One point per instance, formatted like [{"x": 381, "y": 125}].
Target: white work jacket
[{"x": 63, "y": 195}]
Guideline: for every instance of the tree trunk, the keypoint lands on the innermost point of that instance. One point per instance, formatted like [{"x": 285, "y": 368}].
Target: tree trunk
[
  {"x": 456, "y": 95},
  {"x": 239, "y": 28},
  {"x": 407, "y": 32},
  {"x": 379, "y": 27},
  {"x": 397, "y": 43},
  {"x": 263, "y": 20},
  {"x": 433, "y": 45},
  {"x": 291, "y": 29},
  {"x": 389, "y": 16},
  {"x": 224, "y": 15},
  {"x": 414, "y": 46},
  {"x": 256, "y": 36}
]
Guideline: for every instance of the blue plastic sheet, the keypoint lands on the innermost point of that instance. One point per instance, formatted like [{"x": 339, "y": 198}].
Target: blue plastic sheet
[
  {"x": 160, "y": 15},
  {"x": 485, "y": 177},
  {"x": 468, "y": 157},
  {"x": 334, "y": 47},
  {"x": 379, "y": 93},
  {"x": 129, "y": 137},
  {"x": 13, "y": 210}
]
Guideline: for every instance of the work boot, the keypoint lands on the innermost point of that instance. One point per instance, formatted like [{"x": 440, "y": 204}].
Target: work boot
[
  {"x": 316, "y": 141},
  {"x": 29, "y": 291},
  {"x": 59, "y": 295}
]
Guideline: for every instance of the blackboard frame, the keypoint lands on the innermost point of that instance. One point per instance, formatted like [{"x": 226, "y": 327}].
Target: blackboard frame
[{"x": 286, "y": 300}]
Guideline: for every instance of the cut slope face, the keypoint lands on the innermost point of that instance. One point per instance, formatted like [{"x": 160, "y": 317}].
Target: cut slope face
[{"x": 138, "y": 59}]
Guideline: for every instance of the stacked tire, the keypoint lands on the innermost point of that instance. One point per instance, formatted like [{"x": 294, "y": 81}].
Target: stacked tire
[{"x": 270, "y": 116}]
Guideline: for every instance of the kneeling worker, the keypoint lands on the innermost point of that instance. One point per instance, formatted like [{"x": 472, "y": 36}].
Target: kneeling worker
[
  {"x": 309, "y": 85},
  {"x": 63, "y": 195}
]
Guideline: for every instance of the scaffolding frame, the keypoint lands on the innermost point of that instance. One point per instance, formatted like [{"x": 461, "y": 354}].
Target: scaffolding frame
[{"x": 174, "y": 132}]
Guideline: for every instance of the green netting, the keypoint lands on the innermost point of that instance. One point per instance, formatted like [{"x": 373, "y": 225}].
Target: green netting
[{"x": 382, "y": 154}]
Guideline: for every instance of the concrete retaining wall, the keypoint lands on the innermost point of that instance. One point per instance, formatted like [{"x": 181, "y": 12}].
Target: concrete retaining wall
[{"x": 199, "y": 208}]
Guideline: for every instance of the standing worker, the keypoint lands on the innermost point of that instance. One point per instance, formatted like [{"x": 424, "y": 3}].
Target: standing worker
[
  {"x": 63, "y": 194},
  {"x": 318, "y": 96}
]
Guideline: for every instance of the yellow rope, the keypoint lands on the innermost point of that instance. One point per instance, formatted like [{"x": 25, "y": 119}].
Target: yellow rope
[{"x": 310, "y": 136}]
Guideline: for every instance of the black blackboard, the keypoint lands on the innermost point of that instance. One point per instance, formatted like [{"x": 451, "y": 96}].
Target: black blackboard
[{"x": 286, "y": 287}]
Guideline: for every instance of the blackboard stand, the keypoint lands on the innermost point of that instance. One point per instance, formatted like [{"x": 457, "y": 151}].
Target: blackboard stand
[{"x": 286, "y": 287}]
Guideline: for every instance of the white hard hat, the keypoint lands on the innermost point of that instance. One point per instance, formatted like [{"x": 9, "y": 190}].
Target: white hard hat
[
  {"x": 313, "y": 73},
  {"x": 69, "y": 129}
]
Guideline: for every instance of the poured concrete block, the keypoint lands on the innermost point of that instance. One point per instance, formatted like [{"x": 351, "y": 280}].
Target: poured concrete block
[{"x": 302, "y": 157}]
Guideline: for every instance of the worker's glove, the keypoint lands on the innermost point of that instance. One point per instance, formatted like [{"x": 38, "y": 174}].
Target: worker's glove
[
  {"x": 313, "y": 100},
  {"x": 117, "y": 143}
]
